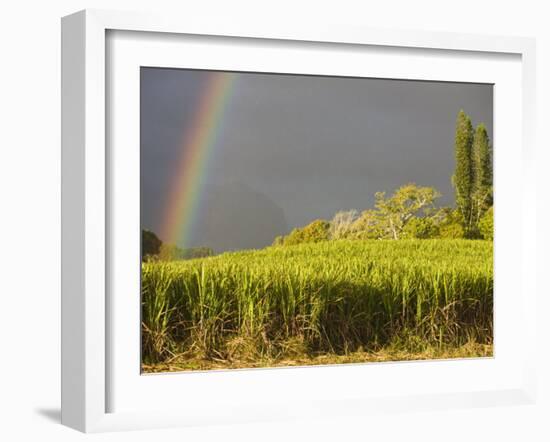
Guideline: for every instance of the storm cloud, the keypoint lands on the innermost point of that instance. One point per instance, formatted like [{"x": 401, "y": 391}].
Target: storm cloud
[{"x": 291, "y": 149}]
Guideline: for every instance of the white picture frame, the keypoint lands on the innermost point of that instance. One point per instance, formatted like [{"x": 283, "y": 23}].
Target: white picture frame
[{"x": 89, "y": 325}]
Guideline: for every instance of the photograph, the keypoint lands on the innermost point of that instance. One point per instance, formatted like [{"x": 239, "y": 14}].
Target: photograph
[{"x": 295, "y": 220}]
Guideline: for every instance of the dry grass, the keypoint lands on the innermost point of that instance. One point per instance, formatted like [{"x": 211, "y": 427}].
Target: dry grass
[{"x": 187, "y": 363}]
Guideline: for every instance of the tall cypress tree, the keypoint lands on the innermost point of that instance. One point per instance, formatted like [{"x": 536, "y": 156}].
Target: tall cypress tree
[
  {"x": 482, "y": 194},
  {"x": 463, "y": 179}
]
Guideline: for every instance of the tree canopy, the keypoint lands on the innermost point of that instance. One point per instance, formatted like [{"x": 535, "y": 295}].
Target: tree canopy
[
  {"x": 473, "y": 177},
  {"x": 410, "y": 211}
]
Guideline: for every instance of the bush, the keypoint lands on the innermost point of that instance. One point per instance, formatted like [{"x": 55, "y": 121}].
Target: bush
[
  {"x": 296, "y": 236},
  {"x": 450, "y": 223},
  {"x": 315, "y": 231},
  {"x": 421, "y": 228},
  {"x": 451, "y": 231},
  {"x": 486, "y": 225},
  {"x": 171, "y": 252},
  {"x": 195, "y": 252},
  {"x": 150, "y": 244}
]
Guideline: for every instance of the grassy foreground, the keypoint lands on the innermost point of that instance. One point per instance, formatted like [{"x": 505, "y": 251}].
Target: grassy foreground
[{"x": 329, "y": 302}]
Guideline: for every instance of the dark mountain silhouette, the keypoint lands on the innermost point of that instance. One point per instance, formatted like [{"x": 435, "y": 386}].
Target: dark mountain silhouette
[{"x": 235, "y": 216}]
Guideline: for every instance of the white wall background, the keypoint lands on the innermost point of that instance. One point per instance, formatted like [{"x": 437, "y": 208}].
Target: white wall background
[{"x": 30, "y": 215}]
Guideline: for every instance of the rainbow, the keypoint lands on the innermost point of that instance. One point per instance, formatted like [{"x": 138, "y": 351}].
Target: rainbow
[{"x": 196, "y": 149}]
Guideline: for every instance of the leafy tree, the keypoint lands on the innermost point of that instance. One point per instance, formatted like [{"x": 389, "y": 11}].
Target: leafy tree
[
  {"x": 169, "y": 252},
  {"x": 486, "y": 225},
  {"x": 370, "y": 225},
  {"x": 296, "y": 236},
  {"x": 315, "y": 231},
  {"x": 342, "y": 225},
  {"x": 195, "y": 252},
  {"x": 482, "y": 192},
  {"x": 421, "y": 228},
  {"x": 463, "y": 177},
  {"x": 452, "y": 231},
  {"x": 449, "y": 223},
  {"x": 407, "y": 201},
  {"x": 150, "y": 244}
]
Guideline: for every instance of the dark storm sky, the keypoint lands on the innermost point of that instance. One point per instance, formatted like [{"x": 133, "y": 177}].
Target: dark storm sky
[{"x": 292, "y": 149}]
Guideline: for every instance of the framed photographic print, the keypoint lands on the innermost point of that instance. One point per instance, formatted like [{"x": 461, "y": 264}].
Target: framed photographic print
[
  {"x": 254, "y": 252},
  {"x": 250, "y": 214}
]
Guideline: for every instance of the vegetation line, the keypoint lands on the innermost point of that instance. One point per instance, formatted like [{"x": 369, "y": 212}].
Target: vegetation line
[{"x": 329, "y": 297}]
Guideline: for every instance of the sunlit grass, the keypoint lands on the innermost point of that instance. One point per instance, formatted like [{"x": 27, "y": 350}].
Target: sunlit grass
[{"x": 299, "y": 305}]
